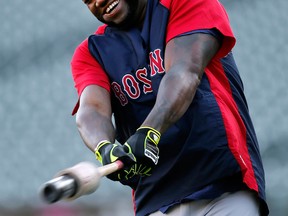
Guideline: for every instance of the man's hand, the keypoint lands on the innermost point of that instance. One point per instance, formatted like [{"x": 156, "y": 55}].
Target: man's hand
[
  {"x": 107, "y": 153},
  {"x": 143, "y": 145}
]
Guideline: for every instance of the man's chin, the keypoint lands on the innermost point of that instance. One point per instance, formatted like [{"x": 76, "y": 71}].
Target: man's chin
[{"x": 126, "y": 24}]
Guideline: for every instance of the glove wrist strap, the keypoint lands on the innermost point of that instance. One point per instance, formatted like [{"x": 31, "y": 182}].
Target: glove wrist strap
[
  {"x": 152, "y": 133},
  {"x": 97, "y": 150},
  {"x": 100, "y": 144},
  {"x": 149, "y": 128}
]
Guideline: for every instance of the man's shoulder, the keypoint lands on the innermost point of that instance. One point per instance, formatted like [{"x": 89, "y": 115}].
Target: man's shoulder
[
  {"x": 101, "y": 29},
  {"x": 165, "y": 3}
]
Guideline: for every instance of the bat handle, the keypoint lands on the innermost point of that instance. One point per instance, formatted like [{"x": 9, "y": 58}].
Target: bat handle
[{"x": 110, "y": 168}]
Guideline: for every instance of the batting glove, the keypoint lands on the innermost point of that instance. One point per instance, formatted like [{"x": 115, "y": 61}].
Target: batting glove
[
  {"x": 107, "y": 153},
  {"x": 143, "y": 145}
]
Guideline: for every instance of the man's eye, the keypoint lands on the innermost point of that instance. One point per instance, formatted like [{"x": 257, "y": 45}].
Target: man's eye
[{"x": 86, "y": 1}]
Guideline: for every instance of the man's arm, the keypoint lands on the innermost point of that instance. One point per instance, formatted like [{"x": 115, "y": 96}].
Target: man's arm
[
  {"x": 94, "y": 116},
  {"x": 94, "y": 121},
  {"x": 185, "y": 60}
]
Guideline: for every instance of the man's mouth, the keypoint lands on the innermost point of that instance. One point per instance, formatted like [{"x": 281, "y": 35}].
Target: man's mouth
[{"x": 112, "y": 6}]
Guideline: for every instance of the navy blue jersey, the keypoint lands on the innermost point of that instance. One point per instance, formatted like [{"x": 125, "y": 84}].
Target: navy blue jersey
[{"x": 214, "y": 140}]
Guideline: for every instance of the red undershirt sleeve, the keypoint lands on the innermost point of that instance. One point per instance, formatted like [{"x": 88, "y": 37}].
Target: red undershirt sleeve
[
  {"x": 187, "y": 16},
  {"x": 87, "y": 71}
]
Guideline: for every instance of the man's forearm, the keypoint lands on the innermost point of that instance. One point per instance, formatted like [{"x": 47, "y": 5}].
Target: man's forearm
[
  {"x": 175, "y": 94},
  {"x": 94, "y": 127}
]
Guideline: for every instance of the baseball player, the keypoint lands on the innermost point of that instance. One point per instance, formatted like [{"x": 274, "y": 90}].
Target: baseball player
[{"x": 165, "y": 70}]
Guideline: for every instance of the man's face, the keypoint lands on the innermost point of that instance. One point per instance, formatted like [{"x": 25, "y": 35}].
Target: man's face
[{"x": 119, "y": 13}]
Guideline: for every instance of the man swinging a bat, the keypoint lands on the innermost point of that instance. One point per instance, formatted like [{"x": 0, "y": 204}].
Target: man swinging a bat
[{"x": 165, "y": 70}]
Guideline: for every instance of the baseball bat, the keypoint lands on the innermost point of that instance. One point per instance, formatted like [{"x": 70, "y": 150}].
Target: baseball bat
[{"x": 81, "y": 179}]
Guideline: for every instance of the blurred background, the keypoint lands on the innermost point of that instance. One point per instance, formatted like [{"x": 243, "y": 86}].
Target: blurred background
[{"x": 38, "y": 135}]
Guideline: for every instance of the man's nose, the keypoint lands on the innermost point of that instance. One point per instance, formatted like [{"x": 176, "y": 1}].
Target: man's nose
[{"x": 99, "y": 3}]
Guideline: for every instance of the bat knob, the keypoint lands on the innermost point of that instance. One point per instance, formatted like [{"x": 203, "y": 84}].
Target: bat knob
[
  {"x": 81, "y": 179},
  {"x": 58, "y": 188}
]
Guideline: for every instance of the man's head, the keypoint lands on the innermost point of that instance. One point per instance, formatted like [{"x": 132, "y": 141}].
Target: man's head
[{"x": 118, "y": 13}]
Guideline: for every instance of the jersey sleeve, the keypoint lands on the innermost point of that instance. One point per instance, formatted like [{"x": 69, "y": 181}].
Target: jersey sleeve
[
  {"x": 87, "y": 71},
  {"x": 187, "y": 16}
]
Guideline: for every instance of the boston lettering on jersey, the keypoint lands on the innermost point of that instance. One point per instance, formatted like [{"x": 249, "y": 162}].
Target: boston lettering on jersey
[{"x": 130, "y": 82}]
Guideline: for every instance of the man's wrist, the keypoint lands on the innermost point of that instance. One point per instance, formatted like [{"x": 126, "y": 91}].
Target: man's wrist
[{"x": 100, "y": 144}]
